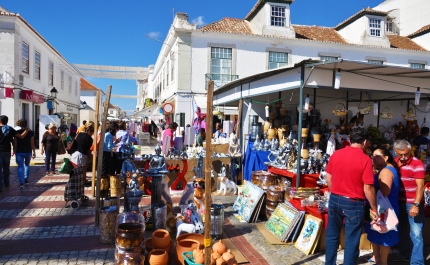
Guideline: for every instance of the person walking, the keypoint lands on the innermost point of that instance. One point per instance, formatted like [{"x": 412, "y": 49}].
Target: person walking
[
  {"x": 388, "y": 182},
  {"x": 108, "y": 165},
  {"x": 50, "y": 142},
  {"x": 411, "y": 207},
  {"x": 7, "y": 135},
  {"x": 72, "y": 130},
  {"x": 350, "y": 186},
  {"x": 24, "y": 150},
  {"x": 84, "y": 141},
  {"x": 123, "y": 135}
]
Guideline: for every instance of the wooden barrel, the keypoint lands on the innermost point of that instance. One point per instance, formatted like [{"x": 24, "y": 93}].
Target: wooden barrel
[{"x": 116, "y": 188}]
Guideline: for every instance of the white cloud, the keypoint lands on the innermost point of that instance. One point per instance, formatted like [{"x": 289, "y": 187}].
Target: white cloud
[
  {"x": 199, "y": 21},
  {"x": 153, "y": 34}
]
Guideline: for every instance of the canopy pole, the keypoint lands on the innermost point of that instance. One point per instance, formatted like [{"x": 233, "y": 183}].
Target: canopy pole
[{"x": 96, "y": 127}]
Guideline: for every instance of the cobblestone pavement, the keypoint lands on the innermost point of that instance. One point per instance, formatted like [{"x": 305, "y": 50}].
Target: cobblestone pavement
[{"x": 36, "y": 228}]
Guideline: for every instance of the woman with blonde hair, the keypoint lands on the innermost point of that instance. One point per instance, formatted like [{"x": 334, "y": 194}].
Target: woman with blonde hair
[
  {"x": 50, "y": 147},
  {"x": 84, "y": 141}
]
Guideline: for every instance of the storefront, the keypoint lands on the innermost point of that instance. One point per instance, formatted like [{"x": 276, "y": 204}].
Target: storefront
[{"x": 30, "y": 102}]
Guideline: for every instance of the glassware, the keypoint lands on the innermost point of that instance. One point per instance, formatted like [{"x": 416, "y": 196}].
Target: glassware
[{"x": 217, "y": 220}]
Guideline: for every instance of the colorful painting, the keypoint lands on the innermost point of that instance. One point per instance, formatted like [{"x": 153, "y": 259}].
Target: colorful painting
[
  {"x": 298, "y": 227},
  {"x": 283, "y": 221},
  {"x": 247, "y": 200},
  {"x": 309, "y": 235}
]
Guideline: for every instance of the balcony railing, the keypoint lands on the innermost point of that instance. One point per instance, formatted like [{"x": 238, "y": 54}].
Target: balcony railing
[{"x": 220, "y": 79}]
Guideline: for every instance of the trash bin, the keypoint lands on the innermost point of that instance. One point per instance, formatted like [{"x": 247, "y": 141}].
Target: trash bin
[{"x": 107, "y": 223}]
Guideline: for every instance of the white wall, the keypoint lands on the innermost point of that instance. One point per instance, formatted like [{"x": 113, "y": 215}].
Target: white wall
[
  {"x": 414, "y": 15},
  {"x": 423, "y": 41}
]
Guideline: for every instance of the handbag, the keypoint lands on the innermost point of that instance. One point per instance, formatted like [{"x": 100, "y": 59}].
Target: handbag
[
  {"x": 66, "y": 166},
  {"x": 61, "y": 149},
  {"x": 72, "y": 147},
  {"x": 387, "y": 217}
]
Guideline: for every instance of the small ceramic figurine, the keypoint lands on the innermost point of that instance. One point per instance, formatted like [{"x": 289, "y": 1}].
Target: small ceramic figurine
[
  {"x": 331, "y": 144},
  {"x": 226, "y": 185},
  {"x": 234, "y": 147},
  {"x": 157, "y": 165},
  {"x": 182, "y": 227},
  {"x": 223, "y": 171},
  {"x": 199, "y": 193}
]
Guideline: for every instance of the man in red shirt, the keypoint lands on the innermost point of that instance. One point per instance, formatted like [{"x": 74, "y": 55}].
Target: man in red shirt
[
  {"x": 350, "y": 180},
  {"x": 411, "y": 207}
]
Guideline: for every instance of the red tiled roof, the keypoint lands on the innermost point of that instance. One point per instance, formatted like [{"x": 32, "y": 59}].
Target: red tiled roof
[
  {"x": 421, "y": 31},
  {"x": 318, "y": 33},
  {"x": 359, "y": 14},
  {"x": 111, "y": 106},
  {"x": 402, "y": 42},
  {"x": 85, "y": 85},
  {"x": 228, "y": 25}
]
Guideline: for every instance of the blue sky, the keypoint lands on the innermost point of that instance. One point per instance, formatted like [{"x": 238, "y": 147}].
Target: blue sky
[{"x": 112, "y": 32}]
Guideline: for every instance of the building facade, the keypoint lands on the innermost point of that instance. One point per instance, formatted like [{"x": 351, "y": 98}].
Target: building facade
[
  {"x": 33, "y": 67},
  {"x": 266, "y": 39}
]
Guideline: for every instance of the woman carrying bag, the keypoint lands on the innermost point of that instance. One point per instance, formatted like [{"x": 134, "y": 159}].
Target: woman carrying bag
[
  {"x": 83, "y": 141},
  {"x": 50, "y": 148},
  {"x": 23, "y": 149}
]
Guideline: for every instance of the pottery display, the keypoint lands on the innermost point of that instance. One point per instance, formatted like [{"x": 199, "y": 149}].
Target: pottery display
[
  {"x": 220, "y": 261},
  {"x": 149, "y": 247},
  {"x": 275, "y": 193},
  {"x": 227, "y": 255},
  {"x": 130, "y": 258},
  {"x": 197, "y": 237},
  {"x": 199, "y": 258},
  {"x": 160, "y": 239},
  {"x": 158, "y": 257}
]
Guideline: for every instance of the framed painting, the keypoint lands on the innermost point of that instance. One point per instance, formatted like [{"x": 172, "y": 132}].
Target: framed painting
[
  {"x": 309, "y": 235},
  {"x": 283, "y": 221},
  {"x": 298, "y": 227},
  {"x": 247, "y": 200}
]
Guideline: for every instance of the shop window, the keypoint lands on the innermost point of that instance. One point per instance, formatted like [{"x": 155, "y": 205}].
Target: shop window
[
  {"x": 375, "y": 27},
  {"x": 277, "y": 16},
  {"x": 25, "y": 58},
  {"x": 418, "y": 66},
  {"x": 70, "y": 85},
  {"x": 329, "y": 58},
  {"x": 51, "y": 74},
  {"x": 375, "y": 61},
  {"x": 37, "y": 65},
  {"x": 277, "y": 59}
]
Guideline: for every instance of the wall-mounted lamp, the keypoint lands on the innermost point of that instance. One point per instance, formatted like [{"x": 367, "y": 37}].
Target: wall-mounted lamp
[
  {"x": 417, "y": 96},
  {"x": 337, "y": 78},
  {"x": 375, "y": 109},
  {"x": 54, "y": 92}
]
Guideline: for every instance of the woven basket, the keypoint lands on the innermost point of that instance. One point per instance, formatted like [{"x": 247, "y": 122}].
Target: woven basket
[
  {"x": 386, "y": 114},
  {"x": 410, "y": 116},
  {"x": 364, "y": 110},
  {"x": 340, "y": 110}
]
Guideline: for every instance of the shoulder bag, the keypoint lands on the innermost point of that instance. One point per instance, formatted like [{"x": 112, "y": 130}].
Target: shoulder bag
[{"x": 72, "y": 146}]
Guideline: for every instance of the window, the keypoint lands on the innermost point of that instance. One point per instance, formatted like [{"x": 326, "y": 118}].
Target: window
[
  {"x": 418, "y": 66},
  {"x": 375, "y": 27},
  {"x": 329, "y": 58},
  {"x": 37, "y": 65},
  {"x": 111, "y": 112},
  {"x": 62, "y": 79},
  {"x": 25, "y": 58},
  {"x": 277, "y": 16},
  {"x": 70, "y": 85},
  {"x": 76, "y": 88},
  {"x": 51, "y": 73},
  {"x": 375, "y": 61},
  {"x": 167, "y": 73},
  {"x": 389, "y": 26},
  {"x": 172, "y": 65},
  {"x": 277, "y": 59}
]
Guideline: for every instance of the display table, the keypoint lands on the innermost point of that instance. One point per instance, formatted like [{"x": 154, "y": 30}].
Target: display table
[
  {"x": 306, "y": 180},
  {"x": 219, "y": 148},
  {"x": 254, "y": 160}
]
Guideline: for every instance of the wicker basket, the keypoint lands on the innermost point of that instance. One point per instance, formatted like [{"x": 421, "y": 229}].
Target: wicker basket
[
  {"x": 364, "y": 110},
  {"x": 410, "y": 116},
  {"x": 340, "y": 110},
  {"x": 386, "y": 114}
]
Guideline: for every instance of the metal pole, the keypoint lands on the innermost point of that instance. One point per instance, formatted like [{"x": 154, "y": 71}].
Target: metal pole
[
  {"x": 96, "y": 127},
  {"x": 299, "y": 127}
]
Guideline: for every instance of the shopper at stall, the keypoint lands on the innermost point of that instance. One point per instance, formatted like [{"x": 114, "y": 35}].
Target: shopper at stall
[
  {"x": 411, "y": 207},
  {"x": 421, "y": 139},
  {"x": 50, "y": 148},
  {"x": 84, "y": 141},
  {"x": 72, "y": 130},
  {"x": 201, "y": 137},
  {"x": 82, "y": 127},
  {"x": 7, "y": 135},
  {"x": 24, "y": 150},
  {"x": 170, "y": 132},
  {"x": 349, "y": 186},
  {"x": 388, "y": 182},
  {"x": 124, "y": 136},
  {"x": 108, "y": 163}
]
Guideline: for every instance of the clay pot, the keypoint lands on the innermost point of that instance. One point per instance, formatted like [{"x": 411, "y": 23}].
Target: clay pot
[
  {"x": 304, "y": 153},
  {"x": 232, "y": 262},
  {"x": 199, "y": 258},
  {"x": 198, "y": 237},
  {"x": 227, "y": 255},
  {"x": 271, "y": 133},
  {"x": 158, "y": 257},
  {"x": 129, "y": 235},
  {"x": 317, "y": 137},
  {"x": 305, "y": 132},
  {"x": 185, "y": 245},
  {"x": 219, "y": 247},
  {"x": 266, "y": 126},
  {"x": 220, "y": 261},
  {"x": 160, "y": 239},
  {"x": 215, "y": 255}
]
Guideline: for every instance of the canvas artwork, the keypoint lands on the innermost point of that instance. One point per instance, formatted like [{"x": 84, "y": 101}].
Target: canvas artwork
[
  {"x": 298, "y": 227},
  {"x": 283, "y": 221},
  {"x": 247, "y": 201},
  {"x": 309, "y": 235}
]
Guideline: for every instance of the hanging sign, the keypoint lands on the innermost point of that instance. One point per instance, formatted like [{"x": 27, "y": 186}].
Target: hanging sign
[
  {"x": 167, "y": 108},
  {"x": 31, "y": 96}
]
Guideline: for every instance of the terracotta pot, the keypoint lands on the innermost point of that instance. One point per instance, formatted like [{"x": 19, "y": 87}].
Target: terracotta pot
[
  {"x": 149, "y": 247},
  {"x": 227, "y": 255},
  {"x": 158, "y": 257},
  {"x": 160, "y": 239},
  {"x": 219, "y": 247},
  {"x": 215, "y": 255},
  {"x": 304, "y": 153},
  {"x": 271, "y": 133},
  {"x": 266, "y": 126},
  {"x": 232, "y": 262},
  {"x": 305, "y": 132},
  {"x": 199, "y": 258},
  {"x": 185, "y": 245},
  {"x": 317, "y": 137},
  {"x": 220, "y": 261},
  {"x": 198, "y": 237}
]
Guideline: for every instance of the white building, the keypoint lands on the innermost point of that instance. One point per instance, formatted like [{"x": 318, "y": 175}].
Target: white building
[
  {"x": 265, "y": 39},
  {"x": 36, "y": 67},
  {"x": 89, "y": 96}
]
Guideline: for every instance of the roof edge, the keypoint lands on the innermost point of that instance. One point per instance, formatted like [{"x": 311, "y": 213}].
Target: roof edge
[
  {"x": 260, "y": 4},
  {"x": 356, "y": 16},
  {"x": 420, "y": 32}
]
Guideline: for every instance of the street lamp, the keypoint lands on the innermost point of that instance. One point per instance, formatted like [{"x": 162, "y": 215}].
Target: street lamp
[
  {"x": 54, "y": 92},
  {"x": 84, "y": 104}
]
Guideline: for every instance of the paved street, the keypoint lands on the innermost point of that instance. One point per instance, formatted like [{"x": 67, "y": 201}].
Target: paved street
[{"x": 36, "y": 228}]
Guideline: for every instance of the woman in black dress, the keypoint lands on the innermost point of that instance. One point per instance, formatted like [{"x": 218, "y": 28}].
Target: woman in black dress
[{"x": 50, "y": 148}]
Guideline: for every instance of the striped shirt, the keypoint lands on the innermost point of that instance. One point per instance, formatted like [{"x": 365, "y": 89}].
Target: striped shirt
[{"x": 410, "y": 171}]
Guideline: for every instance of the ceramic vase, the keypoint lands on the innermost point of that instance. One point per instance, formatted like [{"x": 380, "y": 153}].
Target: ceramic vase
[
  {"x": 160, "y": 239},
  {"x": 158, "y": 257},
  {"x": 185, "y": 245}
]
